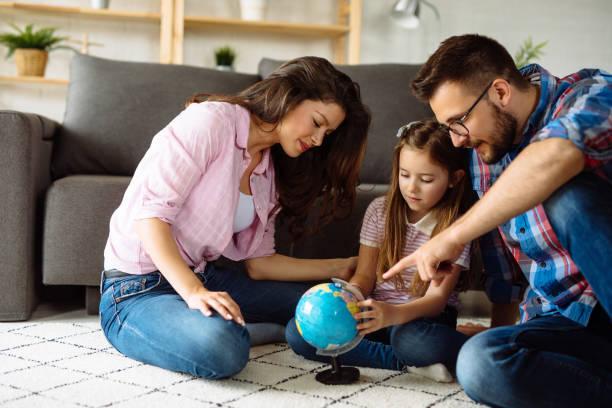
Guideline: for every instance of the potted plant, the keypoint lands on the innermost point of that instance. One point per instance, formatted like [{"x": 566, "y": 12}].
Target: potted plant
[
  {"x": 224, "y": 58},
  {"x": 528, "y": 51},
  {"x": 31, "y": 48}
]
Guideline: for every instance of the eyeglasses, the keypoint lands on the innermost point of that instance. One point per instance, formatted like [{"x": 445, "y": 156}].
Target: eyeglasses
[{"x": 457, "y": 126}]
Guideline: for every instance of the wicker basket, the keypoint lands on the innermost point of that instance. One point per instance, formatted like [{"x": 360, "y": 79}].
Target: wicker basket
[{"x": 31, "y": 62}]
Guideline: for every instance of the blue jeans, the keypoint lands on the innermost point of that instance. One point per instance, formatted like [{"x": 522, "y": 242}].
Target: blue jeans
[
  {"x": 552, "y": 361},
  {"x": 418, "y": 343},
  {"x": 145, "y": 319},
  {"x": 580, "y": 213},
  {"x": 549, "y": 361}
]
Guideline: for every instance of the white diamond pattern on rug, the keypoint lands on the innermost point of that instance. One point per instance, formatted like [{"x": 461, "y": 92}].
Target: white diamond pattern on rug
[
  {"x": 52, "y": 330},
  {"x": 264, "y": 398},
  {"x": 96, "y": 392},
  {"x": 41, "y": 378},
  {"x": 160, "y": 399},
  {"x": 38, "y": 401},
  {"x": 265, "y": 373},
  {"x": 9, "y": 393},
  {"x": 91, "y": 339},
  {"x": 97, "y": 363},
  {"x": 67, "y": 362},
  {"x": 213, "y": 391},
  {"x": 11, "y": 363},
  {"x": 379, "y": 396},
  {"x": 48, "y": 351},
  {"x": 13, "y": 339},
  {"x": 148, "y": 376}
]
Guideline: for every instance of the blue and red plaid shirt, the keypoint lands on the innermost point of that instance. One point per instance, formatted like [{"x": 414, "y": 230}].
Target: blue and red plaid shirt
[{"x": 579, "y": 108}]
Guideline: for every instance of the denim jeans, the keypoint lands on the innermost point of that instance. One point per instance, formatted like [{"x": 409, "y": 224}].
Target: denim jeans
[
  {"x": 580, "y": 213},
  {"x": 550, "y": 361},
  {"x": 418, "y": 343},
  {"x": 145, "y": 319}
]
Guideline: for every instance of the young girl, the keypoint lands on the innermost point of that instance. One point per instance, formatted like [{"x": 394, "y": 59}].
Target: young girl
[
  {"x": 409, "y": 323},
  {"x": 211, "y": 184}
]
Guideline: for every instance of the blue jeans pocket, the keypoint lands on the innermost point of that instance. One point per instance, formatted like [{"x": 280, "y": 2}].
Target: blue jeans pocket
[
  {"x": 116, "y": 290},
  {"x": 126, "y": 288}
]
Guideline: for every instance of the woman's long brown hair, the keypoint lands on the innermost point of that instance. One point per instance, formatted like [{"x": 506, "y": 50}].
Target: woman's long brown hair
[
  {"x": 331, "y": 171},
  {"x": 426, "y": 136}
]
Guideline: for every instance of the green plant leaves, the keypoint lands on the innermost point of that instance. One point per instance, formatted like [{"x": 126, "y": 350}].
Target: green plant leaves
[
  {"x": 43, "y": 39},
  {"x": 528, "y": 52},
  {"x": 225, "y": 56}
]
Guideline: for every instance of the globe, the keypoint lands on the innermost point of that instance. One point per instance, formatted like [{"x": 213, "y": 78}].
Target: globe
[{"x": 324, "y": 318}]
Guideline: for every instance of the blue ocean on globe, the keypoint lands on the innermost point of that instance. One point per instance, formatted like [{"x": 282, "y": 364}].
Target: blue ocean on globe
[{"x": 324, "y": 316}]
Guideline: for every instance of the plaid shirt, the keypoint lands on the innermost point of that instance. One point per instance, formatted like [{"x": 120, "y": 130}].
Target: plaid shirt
[{"x": 579, "y": 108}]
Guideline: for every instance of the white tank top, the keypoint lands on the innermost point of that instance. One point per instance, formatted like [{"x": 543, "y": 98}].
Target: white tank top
[{"x": 245, "y": 213}]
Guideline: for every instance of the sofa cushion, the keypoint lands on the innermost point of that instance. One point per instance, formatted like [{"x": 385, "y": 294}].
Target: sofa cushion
[
  {"x": 340, "y": 238},
  {"x": 76, "y": 225},
  {"x": 385, "y": 89},
  {"x": 114, "y": 108}
]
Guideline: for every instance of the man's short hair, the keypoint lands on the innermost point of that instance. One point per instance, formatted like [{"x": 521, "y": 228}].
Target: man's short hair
[{"x": 472, "y": 60}]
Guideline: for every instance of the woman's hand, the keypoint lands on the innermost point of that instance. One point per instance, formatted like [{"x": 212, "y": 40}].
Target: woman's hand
[
  {"x": 203, "y": 300},
  {"x": 345, "y": 268},
  {"x": 381, "y": 314}
]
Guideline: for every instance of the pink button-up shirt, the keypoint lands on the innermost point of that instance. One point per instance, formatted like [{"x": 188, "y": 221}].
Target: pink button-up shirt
[{"x": 189, "y": 178}]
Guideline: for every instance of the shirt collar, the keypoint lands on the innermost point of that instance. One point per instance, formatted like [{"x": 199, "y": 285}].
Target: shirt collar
[
  {"x": 537, "y": 75},
  {"x": 242, "y": 138},
  {"x": 425, "y": 224}
]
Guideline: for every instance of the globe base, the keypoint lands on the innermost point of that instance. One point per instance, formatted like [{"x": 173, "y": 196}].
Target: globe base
[{"x": 338, "y": 374}]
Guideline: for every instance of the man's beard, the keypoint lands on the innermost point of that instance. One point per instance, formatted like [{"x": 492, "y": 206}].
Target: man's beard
[{"x": 501, "y": 142}]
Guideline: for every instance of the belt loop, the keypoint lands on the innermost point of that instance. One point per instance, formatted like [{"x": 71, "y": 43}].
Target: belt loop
[{"x": 102, "y": 281}]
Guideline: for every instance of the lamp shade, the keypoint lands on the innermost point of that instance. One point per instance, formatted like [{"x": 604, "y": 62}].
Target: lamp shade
[{"x": 405, "y": 13}]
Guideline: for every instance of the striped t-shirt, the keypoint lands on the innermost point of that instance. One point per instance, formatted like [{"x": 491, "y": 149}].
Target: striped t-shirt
[{"x": 372, "y": 233}]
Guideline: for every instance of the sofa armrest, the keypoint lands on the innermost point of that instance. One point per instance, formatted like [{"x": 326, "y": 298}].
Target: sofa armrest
[{"x": 26, "y": 141}]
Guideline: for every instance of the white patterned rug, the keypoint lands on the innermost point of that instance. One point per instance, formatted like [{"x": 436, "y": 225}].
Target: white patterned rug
[{"x": 64, "y": 361}]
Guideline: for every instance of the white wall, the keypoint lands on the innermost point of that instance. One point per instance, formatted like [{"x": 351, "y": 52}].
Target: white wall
[{"x": 579, "y": 35}]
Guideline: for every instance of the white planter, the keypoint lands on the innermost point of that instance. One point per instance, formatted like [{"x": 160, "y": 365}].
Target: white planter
[
  {"x": 252, "y": 9},
  {"x": 99, "y": 4},
  {"x": 224, "y": 68}
]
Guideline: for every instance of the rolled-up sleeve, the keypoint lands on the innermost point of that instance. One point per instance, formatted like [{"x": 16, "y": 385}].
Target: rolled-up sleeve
[{"x": 584, "y": 117}]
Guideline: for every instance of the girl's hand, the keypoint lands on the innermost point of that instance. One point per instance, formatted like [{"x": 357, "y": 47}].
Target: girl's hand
[
  {"x": 381, "y": 314},
  {"x": 346, "y": 268},
  {"x": 203, "y": 300}
]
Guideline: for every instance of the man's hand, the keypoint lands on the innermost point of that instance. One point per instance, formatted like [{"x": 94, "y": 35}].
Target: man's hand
[{"x": 433, "y": 259}]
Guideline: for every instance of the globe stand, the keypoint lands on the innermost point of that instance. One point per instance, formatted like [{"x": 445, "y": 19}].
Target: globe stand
[{"x": 338, "y": 374}]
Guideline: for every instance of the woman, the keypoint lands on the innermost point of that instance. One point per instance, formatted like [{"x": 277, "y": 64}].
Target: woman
[{"x": 211, "y": 184}]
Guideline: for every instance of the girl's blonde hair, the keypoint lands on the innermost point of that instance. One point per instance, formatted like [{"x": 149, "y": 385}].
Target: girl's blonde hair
[{"x": 427, "y": 136}]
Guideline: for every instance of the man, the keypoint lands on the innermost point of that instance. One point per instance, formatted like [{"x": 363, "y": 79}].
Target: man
[{"x": 542, "y": 168}]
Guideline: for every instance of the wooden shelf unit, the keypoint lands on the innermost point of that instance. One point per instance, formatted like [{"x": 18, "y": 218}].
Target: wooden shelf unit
[
  {"x": 58, "y": 10},
  {"x": 173, "y": 21},
  {"x": 34, "y": 80},
  {"x": 348, "y": 25}
]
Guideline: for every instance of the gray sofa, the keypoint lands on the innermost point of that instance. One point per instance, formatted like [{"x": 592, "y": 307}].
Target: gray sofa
[{"x": 61, "y": 182}]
